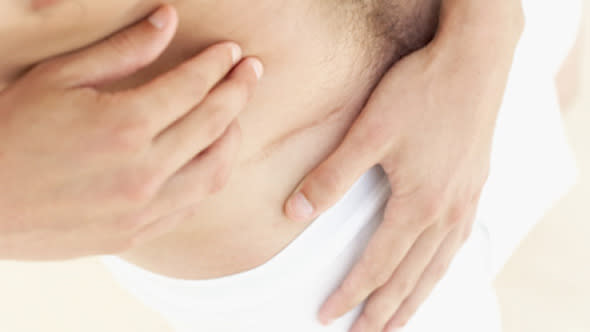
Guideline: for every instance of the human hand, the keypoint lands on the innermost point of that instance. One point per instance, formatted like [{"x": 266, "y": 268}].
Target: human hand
[
  {"x": 89, "y": 172},
  {"x": 429, "y": 124}
]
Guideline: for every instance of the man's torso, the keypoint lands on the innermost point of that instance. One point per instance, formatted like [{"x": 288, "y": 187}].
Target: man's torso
[{"x": 319, "y": 70}]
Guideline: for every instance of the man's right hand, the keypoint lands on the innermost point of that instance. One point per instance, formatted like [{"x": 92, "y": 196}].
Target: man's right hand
[{"x": 85, "y": 172}]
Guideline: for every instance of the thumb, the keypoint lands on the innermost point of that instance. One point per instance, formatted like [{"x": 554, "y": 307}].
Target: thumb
[
  {"x": 327, "y": 183},
  {"x": 119, "y": 55}
]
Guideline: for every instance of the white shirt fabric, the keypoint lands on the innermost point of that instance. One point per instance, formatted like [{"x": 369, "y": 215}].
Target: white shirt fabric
[
  {"x": 286, "y": 293},
  {"x": 532, "y": 166}
]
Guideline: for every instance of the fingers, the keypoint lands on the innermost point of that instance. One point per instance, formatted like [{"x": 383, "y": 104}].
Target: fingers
[
  {"x": 117, "y": 56},
  {"x": 433, "y": 273},
  {"x": 363, "y": 147},
  {"x": 197, "y": 130},
  {"x": 328, "y": 182},
  {"x": 174, "y": 94},
  {"x": 390, "y": 244},
  {"x": 384, "y": 302},
  {"x": 202, "y": 176}
]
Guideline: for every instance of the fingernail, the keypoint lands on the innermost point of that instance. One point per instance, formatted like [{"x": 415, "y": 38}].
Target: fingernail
[
  {"x": 258, "y": 68},
  {"x": 159, "y": 19},
  {"x": 301, "y": 208},
  {"x": 236, "y": 53}
]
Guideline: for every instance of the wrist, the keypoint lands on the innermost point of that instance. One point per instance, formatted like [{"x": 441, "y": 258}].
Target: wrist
[
  {"x": 491, "y": 29},
  {"x": 473, "y": 51},
  {"x": 476, "y": 40}
]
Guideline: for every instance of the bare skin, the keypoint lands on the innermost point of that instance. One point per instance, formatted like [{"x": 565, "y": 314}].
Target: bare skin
[
  {"x": 314, "y": 85},
  {"x": 265, "y": 151},
  {"x": 141, "y": 154},
  {"x": 430, "y": 125}
]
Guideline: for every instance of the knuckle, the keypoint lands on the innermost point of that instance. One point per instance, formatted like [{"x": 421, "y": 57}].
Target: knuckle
[
  {"x": 376, "y": 275},
  {"x": 137, "y": 106},
  {"x": 456, "y": 215},
  {"x": 432, "y": 208},
  {"x": 139, "y": 187},
  {"x": 130, "y": 135},
  {"x": 404, "y": 287},
  {"x": 420, "y": 224}
]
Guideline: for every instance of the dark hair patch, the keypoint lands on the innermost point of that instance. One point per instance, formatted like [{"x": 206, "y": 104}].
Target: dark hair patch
[
  {"x": 387, "y": 29},
  {"x": 402, "y": 27}
]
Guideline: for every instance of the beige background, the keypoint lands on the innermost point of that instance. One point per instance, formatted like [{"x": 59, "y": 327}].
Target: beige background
[
  {"x": 544, "y": 288},
  {"x": 546, "y": 285}
]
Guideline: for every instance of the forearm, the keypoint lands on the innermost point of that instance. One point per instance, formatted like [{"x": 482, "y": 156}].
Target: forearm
[
  {"x": 482, "y": 22},
  {"x": 475, "y": 45},
  {"x": 483, "y": 34}
]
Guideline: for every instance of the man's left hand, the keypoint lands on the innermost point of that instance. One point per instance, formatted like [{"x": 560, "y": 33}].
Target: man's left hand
[{"x": 430, "y": 125}]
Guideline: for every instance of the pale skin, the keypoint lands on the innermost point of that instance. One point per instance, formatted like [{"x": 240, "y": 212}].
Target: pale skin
[
  {"x": 431, "y": 234},
  {"x": 429, "y": 124},
  {"x": 119, "y": 151}
]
